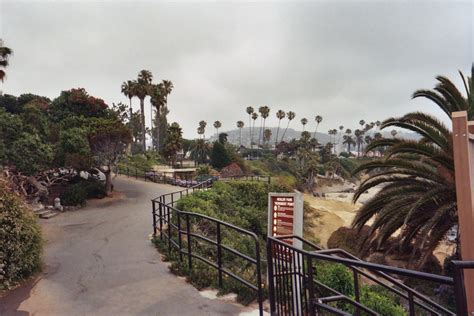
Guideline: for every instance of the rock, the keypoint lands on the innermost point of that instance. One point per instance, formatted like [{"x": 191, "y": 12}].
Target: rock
[{"x": 342, "y": 196}]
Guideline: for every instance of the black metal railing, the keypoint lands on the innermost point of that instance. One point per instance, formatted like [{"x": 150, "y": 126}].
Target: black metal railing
[
  {"x": 295, "y": 289},
  {"x": 175, "y": 227}
]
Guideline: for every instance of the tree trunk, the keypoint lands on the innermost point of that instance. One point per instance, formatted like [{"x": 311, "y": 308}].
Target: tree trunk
[
  {"x": 108, "y": 181},
  {"x": 157, "y": 129},
  {"x": 43, "y": 191},
  {"x": 142, "y": 109},
  {"x": 131, "y": 112}
]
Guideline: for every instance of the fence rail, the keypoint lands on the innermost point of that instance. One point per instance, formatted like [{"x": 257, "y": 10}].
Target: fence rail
[
  {"x": 175, "y": 227},
  {"x": 295, "y": 290}
]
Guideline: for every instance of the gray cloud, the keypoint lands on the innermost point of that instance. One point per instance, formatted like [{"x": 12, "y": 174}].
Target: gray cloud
[{"x": 345, "y": 60}]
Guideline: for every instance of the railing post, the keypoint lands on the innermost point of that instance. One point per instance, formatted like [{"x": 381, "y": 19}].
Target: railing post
[
  {"x": 310, "y": 286},
  {"x": 459, "y": 292},
  {"x": 411, "y": 304},
  {"x": 219, "y": 253},
  {"x": 168, "y": 218},
  {"x": 160, "y": 209},
  {"x": 259, "y": 277},
  {"x": 179, "y": 236},
  {"x": 154, "y": 217},
  {"x": 188, "y": 233},
  {"x": 356, "y": 289},
  {"x": 271, "y": 285}
]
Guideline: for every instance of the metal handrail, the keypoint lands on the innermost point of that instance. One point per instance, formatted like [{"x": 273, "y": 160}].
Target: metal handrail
[
  {"x": 164, "y": 204},
  {"x": 357, "y": 264}
]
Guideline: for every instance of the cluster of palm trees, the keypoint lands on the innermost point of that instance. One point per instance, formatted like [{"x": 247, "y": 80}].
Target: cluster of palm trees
[{"x": 141, "y": 88}]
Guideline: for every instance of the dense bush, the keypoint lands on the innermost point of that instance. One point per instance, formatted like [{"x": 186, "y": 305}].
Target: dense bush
[
  {"x": 76, "y": 194},
  {"x": 20, "y": 240},
  {"x": 349, "y": 239}
]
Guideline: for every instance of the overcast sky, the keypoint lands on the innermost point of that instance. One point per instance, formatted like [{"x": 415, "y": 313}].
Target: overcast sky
[{"x": 344, "y": 60}]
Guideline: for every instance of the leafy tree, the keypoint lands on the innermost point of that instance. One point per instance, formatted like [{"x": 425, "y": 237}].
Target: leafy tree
[
  {"x": 30, "y": 154},
  {"x": 219, "y": 156},
  {"x": 9, "y": 103},
  {"x": 108, "y": 140},
  {"x": 73, "y": 149},
  {"x": 35, "y": 121},
  {"x": 267, "y": 135},
  {"x": 418, "y": 195},
  {"x": 76, "y": 102}
]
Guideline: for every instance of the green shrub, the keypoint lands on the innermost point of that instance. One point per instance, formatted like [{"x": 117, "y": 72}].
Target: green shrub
[
  {"x": 336, "y": 276},
  {"x": 95, "y": 189},
  {"x": 75, "y": 194},
  {"x": 20, "y": 240},
  {"x": 381, "y": 301}
]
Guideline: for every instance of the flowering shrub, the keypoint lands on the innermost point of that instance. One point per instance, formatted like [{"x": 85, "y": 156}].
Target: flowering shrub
[{"x": 20, "y": 239}]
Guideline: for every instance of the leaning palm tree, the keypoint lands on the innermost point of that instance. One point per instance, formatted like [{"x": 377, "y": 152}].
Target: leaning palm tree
[
  {"x": 217, "y": 125},
  {"x": 417, "y": 198},
  {"x": 240, "y": 125},
  {"x": 291, "y": 115},
  {"x": 5, "y": 52},
  {"x": 280, "y": 114},
  {"x": 304, "y": 121},
  {"x": 318, "y": 119}
]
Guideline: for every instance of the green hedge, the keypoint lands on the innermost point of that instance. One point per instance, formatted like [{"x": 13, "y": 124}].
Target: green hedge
[
  {"x": 20, "y": 240},
  {"x": 78, "y": 193}
]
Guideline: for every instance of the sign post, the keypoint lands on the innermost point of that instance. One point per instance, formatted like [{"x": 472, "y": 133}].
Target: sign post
[{"x": 285, "y": 217}]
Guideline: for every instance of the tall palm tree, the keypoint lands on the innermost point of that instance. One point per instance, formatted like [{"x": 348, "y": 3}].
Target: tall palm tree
[
  {"x": 250, "y": 111},
  {"x": 127, "y": 89},
  {"x": 318, "y": 119},
  {"x": 304, "y": 121},
  {"x": 264, "y": 113},
  {"x": 393, "y": 133},
  {"x": 217, "y": 125},
  {"x": 359, "y": 139},
  {"x": 202, "y": 128},
  {"x": 142, "y": 90},
  {"x": 417, "y": 198},
  {"x": 362, "y": 123},
  {"x": 254, "y": 118},
  {"x": 5, "y": 52},
  {"x": 290, "y": 115},
  {"x": 164, "y": 90},
  {"x": 240, "y": 125},
  {"x": 267, "y": 135},
  {"x": 349, "y": 141},
  {"x": 280, "y": 114}
]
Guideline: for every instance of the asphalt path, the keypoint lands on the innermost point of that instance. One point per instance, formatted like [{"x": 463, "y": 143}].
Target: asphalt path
[{"x": 99, "y": 261}]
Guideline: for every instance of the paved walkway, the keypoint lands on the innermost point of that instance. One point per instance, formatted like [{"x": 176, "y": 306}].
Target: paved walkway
[{"x": 99, "y": 262}]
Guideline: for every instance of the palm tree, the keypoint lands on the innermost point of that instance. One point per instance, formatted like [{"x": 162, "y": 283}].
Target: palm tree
[
  {"x": 250, "y": 111},
  {"x": 393, "y": 133},
  {"x": 349, "y": 141},
  {"x": 240, "y": 125},
  {"x": 359, "y": 139},
  {"x": 304, "y": 121},
  {"x": 5, "y": 52},
  {"x": 267, "y": 135},
  {"x": 127, "y": 89},
  {"x": 318, "y": 119},
  {"x": 159, "y": 99},
  {"x": 202, "y": 128},
  {"x": 142, "y": 90},
  {"x": 362, "y": 123},
  {"x": 417, "y": 198},
  {"x": 291, "y": 115},
  {"x": 264, "y": 113},
  {"x": 280, "y": 115},
  {"x": 254, "y": 118},
  {"x": 217, "y": 125}
]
